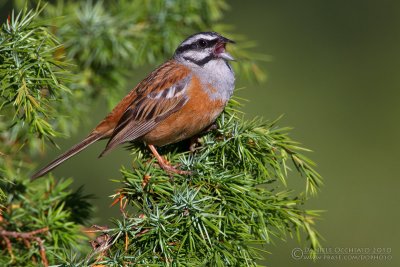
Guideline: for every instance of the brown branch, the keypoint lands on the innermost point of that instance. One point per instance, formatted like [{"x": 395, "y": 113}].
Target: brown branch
[
  {"x": 26, "y": 237},
  {"x": 9, "y": 247},
  {"x": 42, "y": 251},
  {"x": 27, "y": 243},
  {"x": 98, "y": 228}
]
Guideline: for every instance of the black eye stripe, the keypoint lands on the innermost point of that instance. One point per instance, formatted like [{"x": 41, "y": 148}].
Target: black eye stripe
[
  {"x": 210, "y": 43},
  {"x": 194, "y": 45}
]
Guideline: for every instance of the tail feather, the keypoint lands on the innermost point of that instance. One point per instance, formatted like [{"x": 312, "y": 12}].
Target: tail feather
[{"x": 66, "y": 155}]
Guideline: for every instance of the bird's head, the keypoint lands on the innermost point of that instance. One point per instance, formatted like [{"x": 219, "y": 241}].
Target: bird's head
[{"x": 203, "y": 47}]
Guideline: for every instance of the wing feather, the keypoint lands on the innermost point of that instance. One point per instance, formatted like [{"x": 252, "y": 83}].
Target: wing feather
[{"x": 146, "y": 112}]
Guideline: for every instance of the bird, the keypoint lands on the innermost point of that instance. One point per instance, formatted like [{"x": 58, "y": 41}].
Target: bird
[{"x": 177, "y": 101}]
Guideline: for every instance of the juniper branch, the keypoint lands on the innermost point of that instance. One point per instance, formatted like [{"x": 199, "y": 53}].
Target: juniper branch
[{"x": 231, "y": 203}]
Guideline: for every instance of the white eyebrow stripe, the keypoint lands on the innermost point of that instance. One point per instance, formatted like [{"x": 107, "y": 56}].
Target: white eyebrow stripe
[{"x": 198, "y": 37}]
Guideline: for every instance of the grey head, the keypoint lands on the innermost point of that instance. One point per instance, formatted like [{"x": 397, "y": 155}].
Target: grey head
[{"x": 202, "y": 48}]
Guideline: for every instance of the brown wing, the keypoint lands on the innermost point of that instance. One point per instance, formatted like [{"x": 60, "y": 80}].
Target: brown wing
[
  {"x": 163, "y": 77},
  {"x": 147, "y": 111}
]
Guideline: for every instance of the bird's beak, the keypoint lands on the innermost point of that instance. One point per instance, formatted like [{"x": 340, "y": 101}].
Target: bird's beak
[{"x": 220, "y": 48}]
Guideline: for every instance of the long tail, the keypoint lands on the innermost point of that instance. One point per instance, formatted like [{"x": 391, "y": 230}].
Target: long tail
[{"x": 66, "y": 155}]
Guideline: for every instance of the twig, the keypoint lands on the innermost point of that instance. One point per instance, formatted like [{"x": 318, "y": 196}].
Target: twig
[
  {"x": 26, "y": 237},
  {"x": 9, "y": 247},
  {"x": 42, "y": 251}
]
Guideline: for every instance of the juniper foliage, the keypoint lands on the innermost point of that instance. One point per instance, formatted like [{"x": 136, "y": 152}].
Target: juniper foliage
[
  {"x": 55, "y": 61},
  {"x": 225, "y": 213},
  {"x": 42, "y": 205}
]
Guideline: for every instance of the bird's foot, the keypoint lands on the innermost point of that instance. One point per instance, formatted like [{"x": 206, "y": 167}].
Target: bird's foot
[
  {"x": 166, "y": 166},
  {"x": 194, "y": 142},
  {"x": 210, "y": 128}
]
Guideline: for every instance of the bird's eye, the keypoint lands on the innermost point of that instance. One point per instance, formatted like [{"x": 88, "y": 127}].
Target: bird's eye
[{"x": 202, "y": 43}]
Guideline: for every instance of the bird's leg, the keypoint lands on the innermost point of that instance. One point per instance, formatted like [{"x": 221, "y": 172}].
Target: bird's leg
[
  {"x": 196, "y": 139},
  {"x": 164, "y": 165},
  {"x": 210, "y": 128}
]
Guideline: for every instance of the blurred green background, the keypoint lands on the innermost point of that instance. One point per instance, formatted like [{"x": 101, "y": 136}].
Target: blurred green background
[{"x": 334, "y": 74}]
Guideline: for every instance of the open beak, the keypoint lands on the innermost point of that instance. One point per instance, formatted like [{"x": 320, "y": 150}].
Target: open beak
[{"x": 220, "y": 48}]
